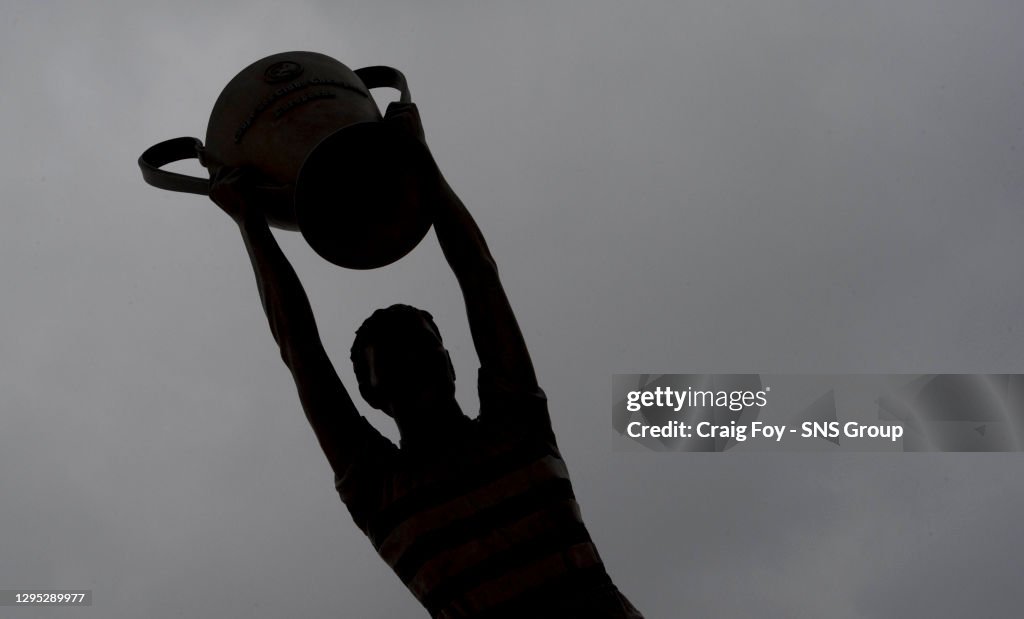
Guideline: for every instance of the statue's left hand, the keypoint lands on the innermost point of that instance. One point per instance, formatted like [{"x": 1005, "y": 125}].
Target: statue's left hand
[{"x": 234, "y": 191}]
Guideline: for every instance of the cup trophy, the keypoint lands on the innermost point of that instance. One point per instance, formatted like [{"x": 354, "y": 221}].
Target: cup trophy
[{"x": 356, "y": 184}]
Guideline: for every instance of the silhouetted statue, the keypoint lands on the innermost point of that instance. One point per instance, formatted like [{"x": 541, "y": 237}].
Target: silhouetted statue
[{"x": 476, "y": 516}]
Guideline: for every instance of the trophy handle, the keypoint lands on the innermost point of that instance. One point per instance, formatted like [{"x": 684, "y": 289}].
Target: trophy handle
[
  {"x": 168, "y": 151},
  {"x": 177, "y": 149},
  {"x": 385, "y": 77}
]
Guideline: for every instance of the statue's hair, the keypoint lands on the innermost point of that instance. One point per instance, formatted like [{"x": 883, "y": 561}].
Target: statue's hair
[{"x": 385, "y": 326}]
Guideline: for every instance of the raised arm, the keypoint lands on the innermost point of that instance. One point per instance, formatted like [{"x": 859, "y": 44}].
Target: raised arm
[
  {"x": 327, "y": 405},
  {"x": 496, "y": 335}
]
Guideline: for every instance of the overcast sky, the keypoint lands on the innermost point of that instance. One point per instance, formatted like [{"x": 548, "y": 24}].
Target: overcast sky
[{"x": 768, "y": 186}]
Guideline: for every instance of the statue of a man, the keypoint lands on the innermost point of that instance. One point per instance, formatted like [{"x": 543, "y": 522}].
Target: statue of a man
[{"x": 476, "y": 516}]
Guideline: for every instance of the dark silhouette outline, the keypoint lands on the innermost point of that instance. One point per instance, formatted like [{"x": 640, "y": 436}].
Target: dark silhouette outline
[{"x": 502, "y": 541}]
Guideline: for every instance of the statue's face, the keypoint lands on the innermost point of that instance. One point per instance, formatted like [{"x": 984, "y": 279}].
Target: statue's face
[{"x": 411, "y": 372}]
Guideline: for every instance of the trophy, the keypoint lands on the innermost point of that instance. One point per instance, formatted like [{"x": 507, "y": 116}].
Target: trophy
[{"x": 356, "y": 184}]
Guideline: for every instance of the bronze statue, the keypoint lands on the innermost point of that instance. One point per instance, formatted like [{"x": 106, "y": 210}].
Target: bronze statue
[{"x": 476, "y": 516}]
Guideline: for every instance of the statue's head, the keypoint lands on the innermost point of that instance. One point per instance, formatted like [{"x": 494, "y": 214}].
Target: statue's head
[{"x": 401, "y": 363}]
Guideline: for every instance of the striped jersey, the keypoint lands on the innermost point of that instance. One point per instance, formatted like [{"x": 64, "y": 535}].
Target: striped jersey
[{"x": 485, "y": 525}]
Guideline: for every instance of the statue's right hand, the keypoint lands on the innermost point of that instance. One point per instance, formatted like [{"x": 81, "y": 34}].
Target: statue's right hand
[{"x": 234, "y": 191}]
